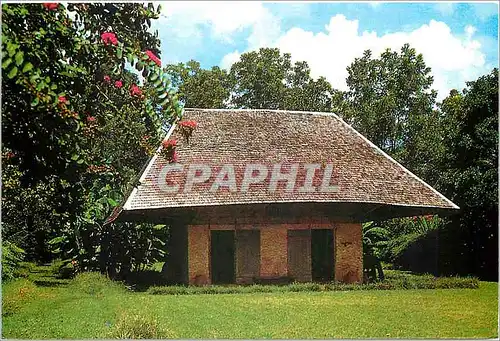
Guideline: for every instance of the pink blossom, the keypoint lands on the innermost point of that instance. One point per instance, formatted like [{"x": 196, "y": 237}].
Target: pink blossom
[
  {"x": 107, "y": 79},
  {"x": 135, "y": 90},
  {"x": 63, "y": 99},
  {"x": 169, "y": 143},
  {"x": 51, "y": 5},
  {"x": 91, "y": 119},
  {"x": 153, "y": 57},
  {"x": 118, "y": 84},
  {"x": 109, "y": 38}
]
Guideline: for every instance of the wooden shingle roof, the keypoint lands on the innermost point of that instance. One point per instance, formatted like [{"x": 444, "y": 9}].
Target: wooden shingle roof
[{"x": 362, "y": 173}]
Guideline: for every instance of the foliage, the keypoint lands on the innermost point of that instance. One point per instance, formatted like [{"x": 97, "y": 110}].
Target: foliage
[
  {"x": 200, "y": 88},
  {"x": 12, "y": 256},
  {"x": 390, "y": 101},
  {"x": 395, "y": 281},
  {"x": 267, "y": 79},
  {"x": 469, "y": 169},
  {"x": 73, "y": 119},
  {"x": 95, "y": 284},
  {"x": 374, "y": 239}
]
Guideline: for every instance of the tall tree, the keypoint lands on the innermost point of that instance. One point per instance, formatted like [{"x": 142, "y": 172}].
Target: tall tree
[
  {"x": 469, "y": 174},
  {"x": 74, "y": 119},
  {"x": 200, "y": 88},
  {"x": 267, "y": 79},
  {"x": 391, "y": 102}
]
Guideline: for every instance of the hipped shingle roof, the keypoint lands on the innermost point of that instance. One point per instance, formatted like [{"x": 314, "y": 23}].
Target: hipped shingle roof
[{"x": 363, "y": 173}]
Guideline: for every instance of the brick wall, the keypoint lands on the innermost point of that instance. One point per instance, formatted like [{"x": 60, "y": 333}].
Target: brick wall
[
  {"x": 273, "y": 250},
  {"x": 199, "y": 254},
  {"x": 348, "y": 253}
]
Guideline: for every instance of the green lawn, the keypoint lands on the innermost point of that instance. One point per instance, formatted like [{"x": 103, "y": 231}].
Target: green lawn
[{"x": 68, "y": 311}]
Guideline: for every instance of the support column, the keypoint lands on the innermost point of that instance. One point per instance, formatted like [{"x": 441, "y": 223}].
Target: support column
[
  {"x": 348, "y": 253},
  {"x": 273, "y": 251},
  {"x": 199, "y": 254}
]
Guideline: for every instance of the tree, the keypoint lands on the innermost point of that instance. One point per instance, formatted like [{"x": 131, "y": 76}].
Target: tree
[
  {"x": 267, "y": 79},
  {"x": 470, "y": 174},
  {"x": 200, "y": 88},
  {"x": 390, "y": 101},
  {"x": 77, "y": 126}
]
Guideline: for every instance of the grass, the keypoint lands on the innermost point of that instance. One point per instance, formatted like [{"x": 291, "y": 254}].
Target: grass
[{"x": 92, "y": 307}]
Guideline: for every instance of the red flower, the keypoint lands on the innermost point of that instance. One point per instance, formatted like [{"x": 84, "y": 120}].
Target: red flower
[
  {"x": 107, "y": 79},
  {"x": 152, "y": 56},
  {"x": 169, "y": 143},
  {"x": 188, "y": 124},
  {"x": 50, "y": 5},
  {"x": 135, "y": 90},
  {"x": 9, "y": 155},
  {"x": 118, "y": 84},
  {"x": 109, "y": 38},
  {"x": 63, "y": 99},
  {"x": 91, "y": 119}
]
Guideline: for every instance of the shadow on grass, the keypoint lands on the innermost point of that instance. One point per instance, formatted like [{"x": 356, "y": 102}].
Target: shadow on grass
[
  {"x": 143, "y": 280},
  {"x": 50, "y": 283}
]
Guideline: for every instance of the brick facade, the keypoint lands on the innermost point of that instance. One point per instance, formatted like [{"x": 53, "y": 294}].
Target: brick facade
[
  {"x": 273, "y": 251},
  {"x": 348, "y": 253},
  {"x": 199, "y": 254},
  {"x": 348, "y": 258}
]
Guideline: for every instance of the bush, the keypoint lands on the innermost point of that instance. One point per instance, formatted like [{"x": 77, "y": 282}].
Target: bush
[
  {"x": 12, "y": 256},
  {"x": 135, "y": 326},
  {"x": 395, "y": 280},
  {"x": 95, "y": 283}
]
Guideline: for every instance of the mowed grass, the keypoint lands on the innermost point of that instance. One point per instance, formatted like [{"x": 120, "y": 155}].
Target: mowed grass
[{"x": 83, "y": 311}]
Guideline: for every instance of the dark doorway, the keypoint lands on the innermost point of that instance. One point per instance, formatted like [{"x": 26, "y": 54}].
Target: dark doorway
[
  {"x": 322, "y": 255},
  {"x": 175, "y": 268},
  {"x": 222, "y": 257}
]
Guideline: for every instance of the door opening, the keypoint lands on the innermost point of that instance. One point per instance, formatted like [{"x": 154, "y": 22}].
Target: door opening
[
  {"x": 222, "y": 257},
  {"x": 322, "y": 255}
]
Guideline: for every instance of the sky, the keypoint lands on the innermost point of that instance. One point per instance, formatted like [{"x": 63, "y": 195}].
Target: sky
[{"x": 459, "y": 41}]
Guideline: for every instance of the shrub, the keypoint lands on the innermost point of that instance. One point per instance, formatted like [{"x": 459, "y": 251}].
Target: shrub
[
  {"x": 395, "y": 280},
  {"x": 12, "y": 256},
  {"x": 135, "y": 326},
  {"x": 95, "y": 283}
]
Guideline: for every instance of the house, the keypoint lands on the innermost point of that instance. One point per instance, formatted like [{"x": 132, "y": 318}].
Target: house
[{"x": 255, "y": 195}]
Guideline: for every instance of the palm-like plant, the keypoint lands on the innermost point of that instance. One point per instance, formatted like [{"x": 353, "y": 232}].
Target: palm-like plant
[{"x": 374, "y": 239}]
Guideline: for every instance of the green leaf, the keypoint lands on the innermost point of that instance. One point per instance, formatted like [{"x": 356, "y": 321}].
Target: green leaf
[
  {"x": 112, "y": 202},
  {"x": 130, "y": 58},
  {"x": 27, "y": 67},
  {"x": 79, "y": 161},
  {"x": 165, "y": 101},
  {"x": 19, "y": 58},
  {"x": 119, "y": 53},
  {"x": 35, "y": 102},
  {"x": 53, "y": 86},
  {"x": 57, "y": 240},
  {"x": 12, "y": 73},
  {"x": 6, "y": 63},
  {"x": 153, "y": 76},
  {"x": 74, "y": 157},
  {"x": 139, "y": 66}
]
